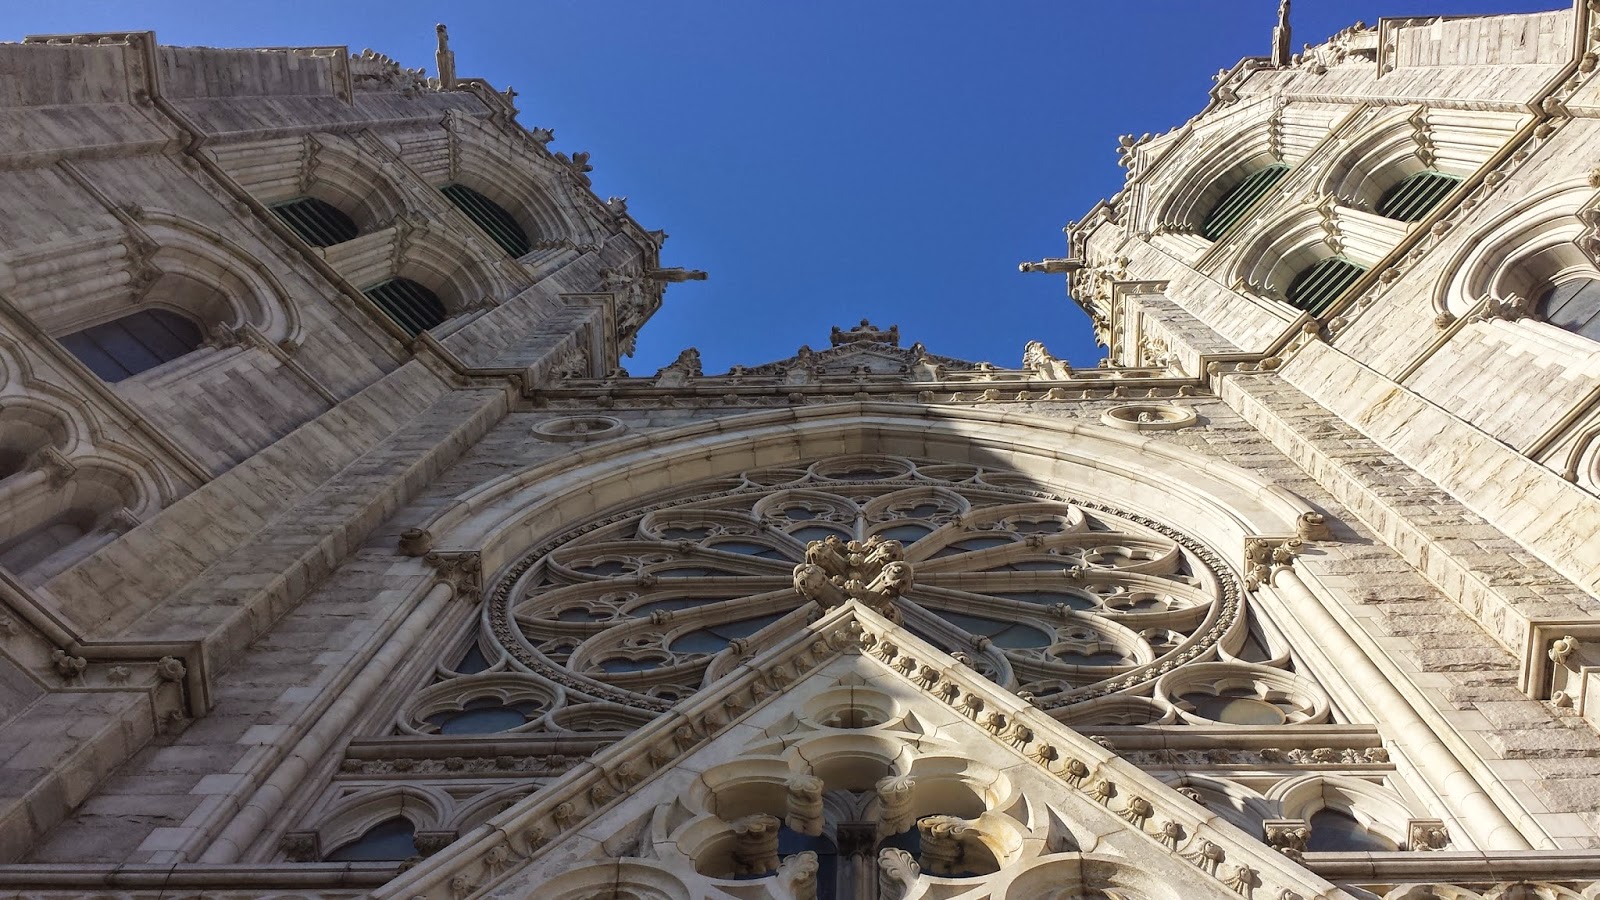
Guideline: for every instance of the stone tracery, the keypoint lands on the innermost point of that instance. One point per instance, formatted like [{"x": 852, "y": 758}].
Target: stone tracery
[{"x": 1066, "y": 599}]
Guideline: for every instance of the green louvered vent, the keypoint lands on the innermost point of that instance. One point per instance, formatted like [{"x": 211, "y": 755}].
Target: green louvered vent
[
  {"x": 321, "y": 224},
  {"x": 1315, "y": 289},
  {"x": 408, "y": 303},
  {"x": 1416, "y": 195},
  {"x": 1231, "y": 209},
  {"x": 491, "y": 217}
]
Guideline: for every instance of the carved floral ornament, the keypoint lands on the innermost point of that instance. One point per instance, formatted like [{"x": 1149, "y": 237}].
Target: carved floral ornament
[{"x": 1082, "y": 607}]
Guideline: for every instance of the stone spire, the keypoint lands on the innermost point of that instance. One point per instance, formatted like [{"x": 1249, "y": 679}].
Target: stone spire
[{"x": 1280, "y": 37}]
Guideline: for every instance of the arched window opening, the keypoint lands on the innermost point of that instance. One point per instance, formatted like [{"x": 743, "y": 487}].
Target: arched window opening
[
  {"x": 1574, "y": 305},
  {"x": 412, "y": 306},
  {"x": 386, "y": 841},
  {"x": 319, "y": 223},
  {"x": 1416, "y": 195},
  {"x": 1315, "y": 289},
  {"x": 135, "y": 343},
  {"x": 1230, "y": 210},
  {"x": 1336, "y": 831},
  {"x": 491, "y": 217}
]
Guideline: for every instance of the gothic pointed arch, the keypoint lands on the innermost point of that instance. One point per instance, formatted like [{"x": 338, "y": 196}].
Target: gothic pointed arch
[
  {"x": 330, "y": 167},
  {"x": 1207, "y": 183},
  {"x": 1512, "y": 268},
  {"x": 531, "y": 186}
]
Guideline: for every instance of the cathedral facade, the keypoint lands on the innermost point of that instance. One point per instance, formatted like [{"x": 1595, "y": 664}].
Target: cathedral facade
[{"x": 341, "y": 557}]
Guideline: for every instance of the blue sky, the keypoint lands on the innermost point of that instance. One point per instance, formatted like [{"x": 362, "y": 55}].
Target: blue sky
[{"x": 823, "y": 160}]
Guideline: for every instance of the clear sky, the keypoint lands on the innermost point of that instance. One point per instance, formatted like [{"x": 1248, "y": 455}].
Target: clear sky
[{"x": 823, "y": 160}]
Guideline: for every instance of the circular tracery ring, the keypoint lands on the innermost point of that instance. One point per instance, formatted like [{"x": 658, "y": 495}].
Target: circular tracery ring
[{"x": 1066, "y": 598}]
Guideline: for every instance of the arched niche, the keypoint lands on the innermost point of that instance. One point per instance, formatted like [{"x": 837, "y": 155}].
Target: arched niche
[
  {"x": 1375, "y": 809},
  {"x": 28, "y": 426},
  {"x": 351, "y": 818},
  {"x": 440, "y": 260},
  {"x": 51, "y": 525}
]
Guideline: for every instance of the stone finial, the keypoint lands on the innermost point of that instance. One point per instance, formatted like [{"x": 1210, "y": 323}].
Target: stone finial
[
  {"x": 897, "y": 872},
  {"x": 799, "y": 874},
  {"x": 445, "y": 58},
  {"x": 1312, "y": 526},
  {"x": 680, "y": 370},
  {"x": 1282, "y": 48}
]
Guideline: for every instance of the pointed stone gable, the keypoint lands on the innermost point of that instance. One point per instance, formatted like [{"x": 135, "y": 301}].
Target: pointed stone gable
[{"x": 853, "y": 709}]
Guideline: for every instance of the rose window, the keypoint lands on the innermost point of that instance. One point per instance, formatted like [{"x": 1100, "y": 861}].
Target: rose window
[{"x": 1062, "y": 597}]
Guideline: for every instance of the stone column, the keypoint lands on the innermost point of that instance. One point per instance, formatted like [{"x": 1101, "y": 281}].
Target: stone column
[{"x": 1434, "y": 761}]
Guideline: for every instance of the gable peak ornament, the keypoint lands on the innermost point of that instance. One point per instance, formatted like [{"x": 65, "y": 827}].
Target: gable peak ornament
[{"x": 866, "y": 331}]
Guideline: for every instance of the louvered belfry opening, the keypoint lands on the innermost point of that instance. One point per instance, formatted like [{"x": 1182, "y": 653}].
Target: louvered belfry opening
[
  {"x": 1315, "y": 289},
  {"x": 1230, "y": 210},
  {"x": 319, "y": 223},
  {"x": 1416, "y": 195},
  {"x": 491, "y": 217},
  {"x": 134, "y": 343},
  {"x": 413, "y": 306}
]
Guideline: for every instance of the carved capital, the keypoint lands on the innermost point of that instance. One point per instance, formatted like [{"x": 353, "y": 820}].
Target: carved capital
[
  {"x": 461, "y": 569},
  {"x": 57, "y": 468},
  {"x": 804, "y": 804},
  {"x": 755, "y": 844},
  {"x": 170, "y": 668},
  {"x": 69, "y": 667},
  {"x": 1287, "y": 836},
  {"x": 1427, "y": 834}
]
